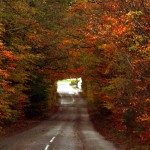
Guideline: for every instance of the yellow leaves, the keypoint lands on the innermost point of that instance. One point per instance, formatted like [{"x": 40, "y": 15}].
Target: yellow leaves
[
  {"x": 134, "y": 13},
  {"x": 144, "y": 117}
]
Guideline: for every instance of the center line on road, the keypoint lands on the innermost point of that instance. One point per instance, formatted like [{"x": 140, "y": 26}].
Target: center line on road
[
  {"x": 47, "y": 146},
  {"x": 52, "y": 140}
]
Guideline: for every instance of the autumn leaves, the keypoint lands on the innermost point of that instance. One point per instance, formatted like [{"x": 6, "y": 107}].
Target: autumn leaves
[
  {"x": 105, "y": 42},
  {"x": 114, "y": 52}
]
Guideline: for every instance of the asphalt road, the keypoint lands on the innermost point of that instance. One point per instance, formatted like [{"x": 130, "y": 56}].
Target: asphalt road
[{"x": 69, "y": 129}]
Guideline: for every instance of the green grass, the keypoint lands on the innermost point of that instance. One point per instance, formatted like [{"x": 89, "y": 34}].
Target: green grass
[{"x": 64, "y": 81}]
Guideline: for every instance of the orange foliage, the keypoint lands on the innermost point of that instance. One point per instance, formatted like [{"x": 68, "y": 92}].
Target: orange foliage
[
  {"x": 109, "y": 48},
  {"x": 75, "y": 53}
]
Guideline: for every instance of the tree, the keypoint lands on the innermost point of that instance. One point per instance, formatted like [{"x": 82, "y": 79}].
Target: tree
[
  {"x": 29, "y": 56},
  {"x": 114, "y": 51}
]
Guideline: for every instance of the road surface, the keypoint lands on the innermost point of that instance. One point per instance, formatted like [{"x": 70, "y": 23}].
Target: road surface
[{"x": 69, "y": 129}]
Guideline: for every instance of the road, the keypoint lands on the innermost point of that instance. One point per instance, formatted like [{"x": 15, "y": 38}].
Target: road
[{"x": 69, "y": 129}]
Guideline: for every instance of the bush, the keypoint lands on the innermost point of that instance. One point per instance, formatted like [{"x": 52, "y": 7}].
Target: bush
[{"x": 74, "y": 82}]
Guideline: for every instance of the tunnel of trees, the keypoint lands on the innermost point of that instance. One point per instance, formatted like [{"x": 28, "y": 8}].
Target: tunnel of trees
[{"x": 104, "y": 42}]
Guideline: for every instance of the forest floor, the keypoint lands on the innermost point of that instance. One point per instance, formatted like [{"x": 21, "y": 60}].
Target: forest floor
[{"x": 122, "y": 140}]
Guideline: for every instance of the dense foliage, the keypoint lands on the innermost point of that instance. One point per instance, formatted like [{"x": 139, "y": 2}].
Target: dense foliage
[
  {"x": 105, "y": 42},
  {"x": 30, "y": 58},
  {"x": 115, "y": 57}
]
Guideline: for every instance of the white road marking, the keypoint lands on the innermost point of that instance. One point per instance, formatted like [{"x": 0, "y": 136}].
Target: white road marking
[
  {"x": 47, "y": 146},
  {"x": 52, "y": 140}
]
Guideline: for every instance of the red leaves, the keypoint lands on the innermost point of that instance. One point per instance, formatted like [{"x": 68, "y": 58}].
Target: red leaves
[
  {"x": 122, "y": 72},
  {"x": 78, "y": 70},
  {"x": 145, "y": 136}
]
